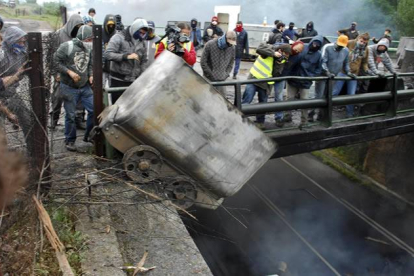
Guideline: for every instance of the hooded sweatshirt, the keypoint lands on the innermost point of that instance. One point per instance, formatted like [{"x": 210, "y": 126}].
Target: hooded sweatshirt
[
  {"x": 216, "y": 30},
  {"x": 308, "y": 64},
  {"x": 68, "y": 31},
  {"x": 1, "y": 27},
  {"x": 74, "y": 56},
  {"x": 195, "y": 36},
  {"x": 123, "y": 44},
  {"x": 11, "y": 60},
  {"x": 376, "y": 57},
  {"x": 358, "y": 57},
  {"x": 106, "y": 35},
  {"x": 309, "y": 30}
]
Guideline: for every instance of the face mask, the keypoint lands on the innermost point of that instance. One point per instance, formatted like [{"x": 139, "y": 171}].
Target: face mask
[
  {"x": 315, "y": 48},
  {"x": 193, "y": 24},
  {"x": 74, "y": 32},
  {"x": 338, "y": 48},
  {"x": 214, "y": 23},
  {"x": 138, "y": 36},
  {"x": 239, "y": 28},
  {"x": 19, "y": 49},
  {"x": 290, "y": 27},
  {"x": 360, "y": 45},
  {"x": 111, "y": 29},
  {"x": 353, "y": 27},
  {"x": 88, "y": 45},
  {"x": 381, "y": 51}
]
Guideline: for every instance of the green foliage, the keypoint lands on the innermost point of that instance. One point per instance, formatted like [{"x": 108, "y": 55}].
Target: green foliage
[
  {"x": 52, "y": 8},
  {"x": 405, "y": 16},
  {"x": 31, "y": 1}
]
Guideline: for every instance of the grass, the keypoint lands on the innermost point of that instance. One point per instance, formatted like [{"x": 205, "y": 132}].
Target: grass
[
  {"x": 75, "y": 243},
  {"x": 30, "y": 13},
  {"x": 353, "y": 155}
]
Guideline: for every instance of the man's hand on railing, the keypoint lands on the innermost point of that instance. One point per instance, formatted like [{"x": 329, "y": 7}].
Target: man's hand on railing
[
  {"x": 352, "y": 76},
  {"x": 381, "y": 75},
  {"x": 329, "y": 75}
]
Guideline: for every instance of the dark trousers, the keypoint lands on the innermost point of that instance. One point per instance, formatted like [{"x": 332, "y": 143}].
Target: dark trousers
[{"x": 117, "y": 83}]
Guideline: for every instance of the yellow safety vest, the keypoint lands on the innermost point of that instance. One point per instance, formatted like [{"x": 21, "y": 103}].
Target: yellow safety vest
[
  {"x": 186, "y": 45},
  {"x": 262, "y": 68}
]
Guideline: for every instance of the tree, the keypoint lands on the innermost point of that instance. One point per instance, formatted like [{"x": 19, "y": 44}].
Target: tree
[{"x": 405, "y": 13}]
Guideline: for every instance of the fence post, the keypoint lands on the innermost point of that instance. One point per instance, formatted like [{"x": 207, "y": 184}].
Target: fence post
[
  {"x": 327, "y": 118},
  {"x": 393, "y": 103},
  {"x": 40, "y": 155},
  {"x": 63, "y": 15},
  {"x": 237, "y": 96},
  {"x": 97, "y": 86}
]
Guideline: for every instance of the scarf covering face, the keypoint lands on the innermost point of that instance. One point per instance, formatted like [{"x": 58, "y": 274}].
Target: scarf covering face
[
  {"x": 222, "y": 43},
  {"x": 358, "y": 52}
]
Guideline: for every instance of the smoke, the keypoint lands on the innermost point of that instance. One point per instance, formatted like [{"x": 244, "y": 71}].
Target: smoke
[{"x": 328, "y": 15}]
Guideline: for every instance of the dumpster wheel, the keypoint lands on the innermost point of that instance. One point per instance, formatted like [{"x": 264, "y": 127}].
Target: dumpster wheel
[
  {"x": 181, "y": 191},
  {"x": 142, "y": 163}
]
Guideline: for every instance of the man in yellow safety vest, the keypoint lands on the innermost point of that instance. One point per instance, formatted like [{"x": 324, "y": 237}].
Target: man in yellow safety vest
[{"x": 269, "y": 63}]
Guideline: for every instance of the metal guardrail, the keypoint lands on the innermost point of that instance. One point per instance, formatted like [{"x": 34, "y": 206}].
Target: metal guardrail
[{"x": 326, "y": 104}]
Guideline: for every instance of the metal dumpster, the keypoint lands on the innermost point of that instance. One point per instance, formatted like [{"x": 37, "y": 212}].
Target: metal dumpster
[{"x": 171, "y": 123}]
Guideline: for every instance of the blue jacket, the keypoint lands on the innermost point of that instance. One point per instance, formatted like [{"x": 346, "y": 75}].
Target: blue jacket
[
  {"x": 309, "y": 65},
  {"x": 290, "y": 33},
  {"x": 242, "y": 43},
  {"x": 334, "y": 61},
  {"x": 197, "y": 33}
]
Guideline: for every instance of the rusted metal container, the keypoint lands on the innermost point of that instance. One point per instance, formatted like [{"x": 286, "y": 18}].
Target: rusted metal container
[{"x": 171, "y": 108}]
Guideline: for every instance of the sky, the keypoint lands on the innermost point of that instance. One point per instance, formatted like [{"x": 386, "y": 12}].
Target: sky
[{"x": 328, "y": 15}]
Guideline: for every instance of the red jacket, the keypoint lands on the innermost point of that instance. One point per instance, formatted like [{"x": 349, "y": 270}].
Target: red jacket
[{"x": 189, "y": 57}]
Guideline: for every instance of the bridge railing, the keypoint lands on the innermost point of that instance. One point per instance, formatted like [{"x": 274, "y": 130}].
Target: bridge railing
[{"x": 327, "y": 103}]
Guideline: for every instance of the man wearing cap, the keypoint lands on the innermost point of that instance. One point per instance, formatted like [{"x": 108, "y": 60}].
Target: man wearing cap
[
  {"x": 74, "y": 61},
  {"x": 334, "y": 60},
  {"x": 289, "y": 35},
  {"x": 213, "y": 31},
  {"x": 358, "y": 64},
  {"x": 151, "y": 41},
  {"x": 351, "y": 33},
  {"x": 218, "y": 58}
]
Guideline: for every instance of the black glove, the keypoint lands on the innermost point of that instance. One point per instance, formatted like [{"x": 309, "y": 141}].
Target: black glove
[
  {"x": 381, "y": 75},
  {"x": 352, "y": 76},
  {"x": 329, "y": 74}
]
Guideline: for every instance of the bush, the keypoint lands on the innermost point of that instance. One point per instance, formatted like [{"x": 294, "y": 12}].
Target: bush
[{"x": 51, "y": 8}]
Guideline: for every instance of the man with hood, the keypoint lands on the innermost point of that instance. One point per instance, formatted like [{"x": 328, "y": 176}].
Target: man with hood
[
  {"x": 358, "y": 64},
  {"x": 128, "y": 55},
  {"x": 1, "y": 27},
  {"x": 289, "y": 35},
  {"x": 195, "y": 35},
  {"x": 218, "y": 58},
  {"x": 379, "y": 53},
  {"x": 64, "y": 34},
  {"x": 309, "y": 31},
  {"x": 213, "y": 31},
  {"x": 109, "y": 29},
  {"x": 276, "y": 37},
  {"x": 151, "y": 41},
  {"x": 74, "y": 60},
  {"x": 308, "y": 64},
  {"x": 242, "y": 46},
  {"x": 189, "y": 54},
  {"x": 13, "y": 58},
  {"x": 351, "y": 33},
  {"x": 269, "y": 63}
]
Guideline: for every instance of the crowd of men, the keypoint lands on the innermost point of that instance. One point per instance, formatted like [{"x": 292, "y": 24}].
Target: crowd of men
[{"x": 128, "y": 51}]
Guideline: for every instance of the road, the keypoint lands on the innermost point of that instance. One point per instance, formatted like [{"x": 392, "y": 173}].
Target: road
[
  {"x": 28, "y": 25},
  {"x": 302, "y": 212}
]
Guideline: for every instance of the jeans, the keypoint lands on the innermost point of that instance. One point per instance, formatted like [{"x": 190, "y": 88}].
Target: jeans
[
  {"x": 304, "y": 95},
  {"x": 70, "y": 97},
  {"x": 248, "y": 96},
  {"x": 279, "y": 86},
  {"x": 236, "y": 66},
  {"x": 351, "y": 89}
]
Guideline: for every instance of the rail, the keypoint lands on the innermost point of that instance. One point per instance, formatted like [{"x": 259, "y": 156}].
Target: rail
[{"x": 327, "y": 103}]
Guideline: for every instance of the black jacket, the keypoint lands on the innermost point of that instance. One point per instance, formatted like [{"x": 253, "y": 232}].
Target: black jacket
[
  {"x": 309, "y": 31},
  {"x": 242, "y": 43},
  {"x": 275, "y": 37}
]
